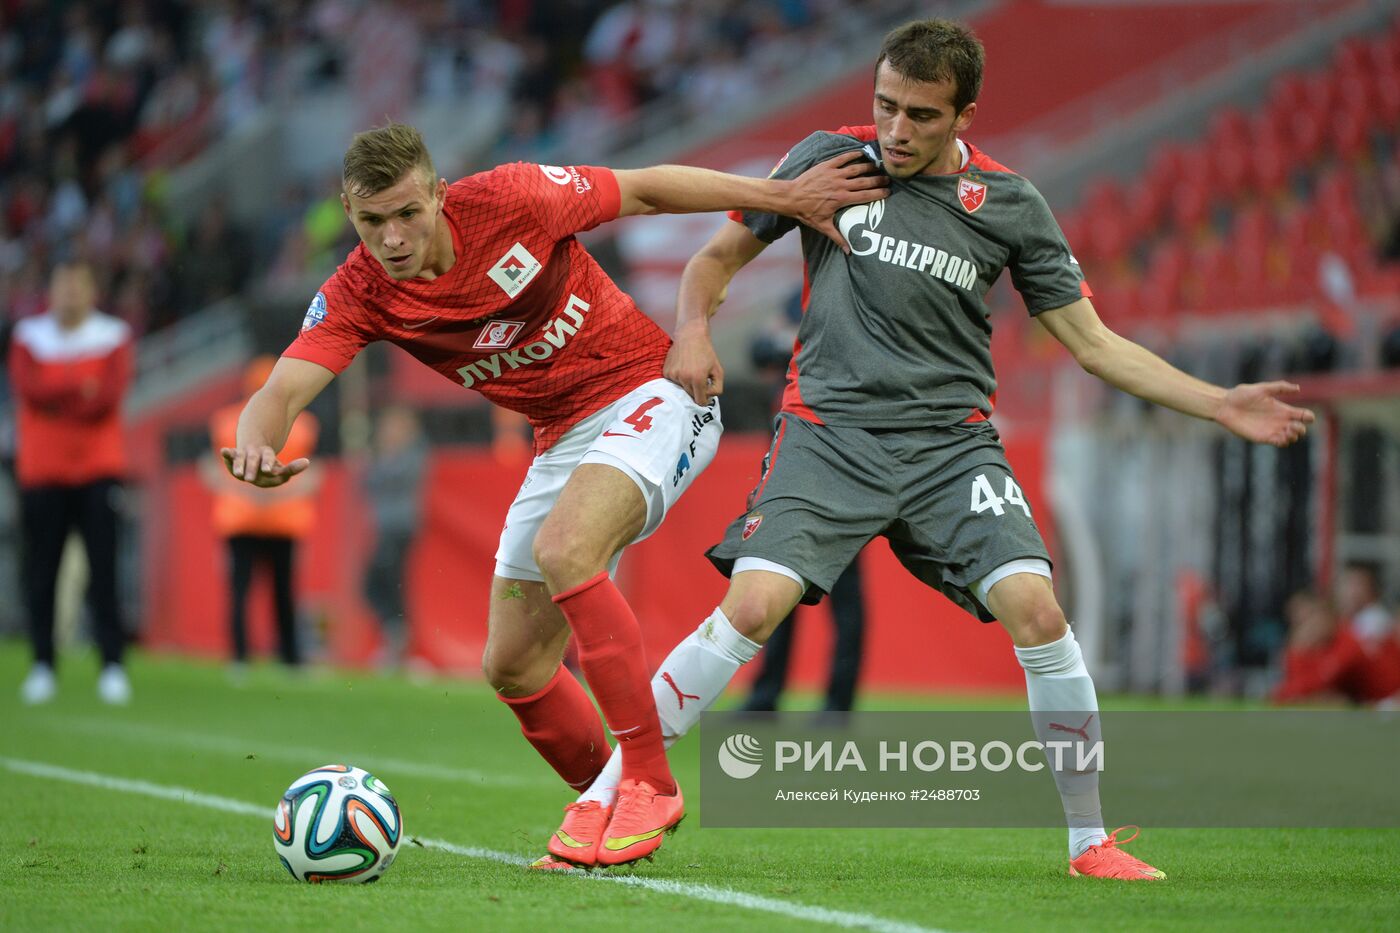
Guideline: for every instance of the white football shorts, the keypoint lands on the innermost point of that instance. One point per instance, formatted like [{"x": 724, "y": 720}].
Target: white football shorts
[{"x": 655, "y": 434}]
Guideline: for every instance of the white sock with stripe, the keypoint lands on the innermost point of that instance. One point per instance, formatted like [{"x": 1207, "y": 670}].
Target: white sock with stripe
[
  {"x": 1064, "y": 706},
  {"x": 687, "y": 683}
]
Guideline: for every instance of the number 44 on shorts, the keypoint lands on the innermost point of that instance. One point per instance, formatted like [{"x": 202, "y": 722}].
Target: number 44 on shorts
[{"x": 984, "y": 497}]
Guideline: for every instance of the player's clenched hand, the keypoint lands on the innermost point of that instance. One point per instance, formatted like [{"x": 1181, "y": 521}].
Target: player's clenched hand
[
  {"x": 822, "y": 190},
  {"x": 693, "y": 365},
  {"x": 1255, "y": 413},
  {"x": 260, "y": 466}
]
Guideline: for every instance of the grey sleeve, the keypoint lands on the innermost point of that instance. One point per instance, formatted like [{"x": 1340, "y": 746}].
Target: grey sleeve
[
  {"x": 815, "y": 148},
  {"x": 1043, "y": 269}
]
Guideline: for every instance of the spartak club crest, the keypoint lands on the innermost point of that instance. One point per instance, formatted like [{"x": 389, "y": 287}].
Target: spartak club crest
[{"x": 972, "y": 194}]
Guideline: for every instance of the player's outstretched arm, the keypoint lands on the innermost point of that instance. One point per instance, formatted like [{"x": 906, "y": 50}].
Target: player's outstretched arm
[
  {"x": 1255, "y": 412},
  {"x": 267, "y": 419},
  {"x": 813, "y": 198},
  {"x": 692, "y": 362}
]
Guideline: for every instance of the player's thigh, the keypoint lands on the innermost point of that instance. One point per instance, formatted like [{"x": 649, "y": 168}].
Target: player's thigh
[
  {"x": 526, "y": 636},
  {"x": 822, "y": 495},
  {"x": 599, "y": 511},
  {"x": 654, "y": 438},
  {"x": 962, "y": 514},
  {"x": 661, "y": 440}
]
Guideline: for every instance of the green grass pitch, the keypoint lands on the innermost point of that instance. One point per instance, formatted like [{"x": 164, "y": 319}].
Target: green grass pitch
[{"x": 104, "y": 856}]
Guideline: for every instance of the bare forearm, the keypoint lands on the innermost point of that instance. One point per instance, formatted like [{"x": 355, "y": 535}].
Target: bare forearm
[
  {"x": 703, "y": 287},
  {"x": 683, "y": 189},
  {"x": 265, "y": 421},
  {"x": 1138, "y": 371}
]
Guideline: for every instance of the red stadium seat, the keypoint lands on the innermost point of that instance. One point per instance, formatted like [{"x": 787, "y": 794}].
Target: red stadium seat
[
  {"x": 1351, "y": 139},
  {"x": 1208, "y": 283},
  {"x": 1307, "y": 135},
  {"x": 1229, "y": 125},
  {"x": 1386, "y": 104},
  {"x": 1271, "y": 168},
  {"x": 1191, "y": 208}
]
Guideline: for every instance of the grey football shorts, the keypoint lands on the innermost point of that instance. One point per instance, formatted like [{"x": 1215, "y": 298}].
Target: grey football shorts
[{"x": 944, "y": 498}]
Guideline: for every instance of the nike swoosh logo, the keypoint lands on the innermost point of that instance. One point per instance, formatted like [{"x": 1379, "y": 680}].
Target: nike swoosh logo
[
  {"x": 618, "y": 434},
  {"x": 622, "y": 842},
  {"x": 408, "y": 326},
  {"x": 625, "y": 731},
  {"x": 570, "y": 841}
]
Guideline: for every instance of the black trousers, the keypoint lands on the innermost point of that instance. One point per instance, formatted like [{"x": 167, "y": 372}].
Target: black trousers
[
  {"x": 848, "y": 612},
  {"x": 246, "y": 553},
  {"x": 48, "y": 513}
]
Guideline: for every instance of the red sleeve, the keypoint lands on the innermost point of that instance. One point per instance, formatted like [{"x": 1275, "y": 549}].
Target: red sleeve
[
  {"x": 27, "y": 377},
  {"x": 111, "y": 387},
  {"x": 334, "y": 330},
  {"x": 565, "y": 199}
]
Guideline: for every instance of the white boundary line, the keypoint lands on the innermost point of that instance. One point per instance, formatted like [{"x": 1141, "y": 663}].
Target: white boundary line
[
  {"x": 701, "y": 892},
  {"x": 145, "y": 732}
]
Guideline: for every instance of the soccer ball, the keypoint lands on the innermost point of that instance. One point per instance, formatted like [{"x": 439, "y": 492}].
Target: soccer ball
[{"x": 337, "y": 823}]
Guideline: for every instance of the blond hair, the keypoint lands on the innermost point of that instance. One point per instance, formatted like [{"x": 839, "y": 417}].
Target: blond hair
[{"x": 379, "y": 158}]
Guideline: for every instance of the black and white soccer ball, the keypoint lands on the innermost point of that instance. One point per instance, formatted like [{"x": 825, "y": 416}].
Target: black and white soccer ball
[{"x": 337, "y": 823}]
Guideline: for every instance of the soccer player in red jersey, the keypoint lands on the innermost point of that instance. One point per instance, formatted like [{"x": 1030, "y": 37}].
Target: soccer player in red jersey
[{"x": 484, "y": 281}]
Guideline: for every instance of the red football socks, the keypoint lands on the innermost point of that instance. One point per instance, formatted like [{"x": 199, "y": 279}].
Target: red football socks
[
  {"x": 610, "y": 653},
  {"x": 560, "y": 721}
]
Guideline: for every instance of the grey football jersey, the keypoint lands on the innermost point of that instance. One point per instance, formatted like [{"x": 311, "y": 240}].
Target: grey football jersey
[{"x": 897, "y": 334}]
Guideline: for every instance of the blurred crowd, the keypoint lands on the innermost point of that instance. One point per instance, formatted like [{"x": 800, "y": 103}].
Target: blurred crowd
[{"x": 99, "y": 101}]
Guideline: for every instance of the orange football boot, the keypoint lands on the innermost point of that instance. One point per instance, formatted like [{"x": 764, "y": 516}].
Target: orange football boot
[
  {"x": 640, "y": 818},
  {"x": 577, "y": 838},
  {"x": 1106, "y": 860}
]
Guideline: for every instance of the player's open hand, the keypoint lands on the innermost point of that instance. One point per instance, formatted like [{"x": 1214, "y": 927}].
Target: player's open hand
[
  {"x": 1255, "y": 413},
  {"x": 260, "y": 466},
  {"x": 825, "y": 188},
  {"x": 693, "y": 365}
]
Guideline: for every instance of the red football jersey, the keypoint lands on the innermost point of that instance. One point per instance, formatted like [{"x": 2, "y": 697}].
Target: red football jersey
[
  {"x": 69, "y": 386},
  {"x": 525, "y": 316}
]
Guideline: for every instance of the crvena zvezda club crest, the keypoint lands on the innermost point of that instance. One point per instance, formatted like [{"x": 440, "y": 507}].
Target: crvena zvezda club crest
[
  {"x": 751, "y": 525},
  {"x": 971, "y": 194}
]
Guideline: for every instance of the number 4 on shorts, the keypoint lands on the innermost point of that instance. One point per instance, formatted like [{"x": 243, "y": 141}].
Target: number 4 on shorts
[
  {"x": 639, "y": 419},
  {"x": 984, "y": 497}
]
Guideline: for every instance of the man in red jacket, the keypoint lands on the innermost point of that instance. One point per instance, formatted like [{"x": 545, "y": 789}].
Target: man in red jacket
[{"x": 70, "y": 367}]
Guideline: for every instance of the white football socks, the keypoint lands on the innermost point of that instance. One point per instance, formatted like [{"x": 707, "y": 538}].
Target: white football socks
[
  {"x": 687, "y": 683},
  {"x": 1065, "y": 707}
]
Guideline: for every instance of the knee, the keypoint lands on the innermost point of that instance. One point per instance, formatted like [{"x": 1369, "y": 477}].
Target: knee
[
  {"x": 564, "y": 558},
  {"x": 516, "y": 675},
  {"x": 756, "y": 613},
  {"x": 1038, "y": 624}
]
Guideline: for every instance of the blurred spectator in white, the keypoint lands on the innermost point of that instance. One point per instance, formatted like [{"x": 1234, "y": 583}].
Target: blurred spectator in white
[
  {"x": 70, "y": 368},
  {"x": 1359, "y": 599}
]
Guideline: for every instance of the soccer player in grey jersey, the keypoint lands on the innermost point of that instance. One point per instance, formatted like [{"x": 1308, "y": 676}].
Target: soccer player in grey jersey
[{"x": 884, "y": 425}]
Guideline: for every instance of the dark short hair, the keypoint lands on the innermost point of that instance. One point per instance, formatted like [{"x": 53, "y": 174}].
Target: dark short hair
[
  {"x": 379, "y": 158},
  {"x": 937, "y": 50}
]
